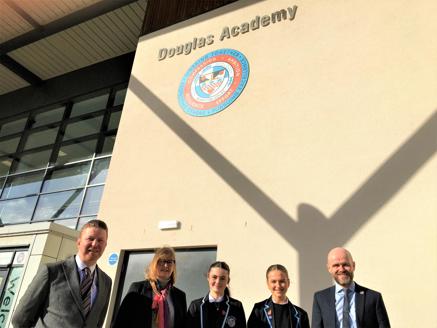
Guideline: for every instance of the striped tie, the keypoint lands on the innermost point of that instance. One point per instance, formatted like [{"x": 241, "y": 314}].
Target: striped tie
[{"x": 85, "y": 290}]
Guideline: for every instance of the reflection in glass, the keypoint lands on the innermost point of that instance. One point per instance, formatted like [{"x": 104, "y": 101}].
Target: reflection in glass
[
  {"x": 17, "y": 210},
  {"x": 119, "y": 97},
  {"x": 108, "y": 145},
  {"x": 5, "y": 164},
  {"x": 41, "y": 138},
  {"x": 89, "y": 105},
  {"x": 13, "y": 127},
  {"x": 22, "y": 185},
  {"x": 58, "y": 205},
  {"x": 31, "y": 161},
  {"x": 83, "y": 128},
  {"x": 51, "y": 116},
  {"x": 99, "y": 171},
  {"x": 92, "y": 200},
  {"x": 2, "y": 181},
  {"x": 67, "y": 177},
  {"x": 9, "y": 146},
  {"x": 70, "y": 223},
  {"x": 114, "y": 120},
  {"x": 77, "y": 151}
]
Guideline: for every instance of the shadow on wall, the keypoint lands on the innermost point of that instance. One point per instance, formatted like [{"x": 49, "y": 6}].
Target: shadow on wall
[{"x": 325, "y": 232}]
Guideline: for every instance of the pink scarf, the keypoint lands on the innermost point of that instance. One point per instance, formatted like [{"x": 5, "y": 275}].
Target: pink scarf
[{"x": 159, "y": 306}]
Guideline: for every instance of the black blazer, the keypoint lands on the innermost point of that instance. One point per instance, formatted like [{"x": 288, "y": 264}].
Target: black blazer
[
  {"x": 136, "y": 308},
  {"x": 369, "y": 306},
  {"x": 262, "y": 316},
  {"x": 197, "y": 316}
]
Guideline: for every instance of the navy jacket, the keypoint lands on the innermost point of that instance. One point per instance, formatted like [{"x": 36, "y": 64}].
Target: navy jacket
[
  {"x": 136, "y": 308},
  {"x": 232, "y": 314},
  {"x": 369, "y": 306},
  {"x": 262, "y": 316}
]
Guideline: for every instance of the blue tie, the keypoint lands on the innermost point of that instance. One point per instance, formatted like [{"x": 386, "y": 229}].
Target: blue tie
[{"x": 346, "y": 309}]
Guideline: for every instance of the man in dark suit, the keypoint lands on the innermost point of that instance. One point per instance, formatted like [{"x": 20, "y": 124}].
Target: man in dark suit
[
  {"x": 70, "y": 293},
  {"x": 347, "y": 304}
]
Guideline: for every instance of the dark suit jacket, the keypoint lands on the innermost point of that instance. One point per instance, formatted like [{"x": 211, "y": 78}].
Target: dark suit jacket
[
  {"x": 53, "y": 299},
  {"x": 262, "y": 316},
  {"x": 369, "y": 306},
  {"x": 198, "y": 309},
  {"x": 136, "y": 308}
]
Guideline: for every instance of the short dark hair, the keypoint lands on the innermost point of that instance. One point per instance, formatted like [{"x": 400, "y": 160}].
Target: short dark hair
[{"x": 95, "y": 224}]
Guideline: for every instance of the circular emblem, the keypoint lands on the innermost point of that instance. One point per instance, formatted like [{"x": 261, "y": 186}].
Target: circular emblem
[
  {"x": 231, "y": 321},
  {"x": 112, "y": 259},
  {"x": 213, "y": 82}
]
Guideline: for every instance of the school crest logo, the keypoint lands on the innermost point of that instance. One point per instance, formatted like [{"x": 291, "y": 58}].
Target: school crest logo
[{"x": 213, "y": 82}]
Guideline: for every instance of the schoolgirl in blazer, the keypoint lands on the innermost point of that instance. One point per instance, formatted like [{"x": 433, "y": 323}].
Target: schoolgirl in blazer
[
  {"x": 277, "y": 311},
  {"x": 203, "y": 313},
  {"x": 217, "y": 309},
  {"x": 262, "y": 316}
]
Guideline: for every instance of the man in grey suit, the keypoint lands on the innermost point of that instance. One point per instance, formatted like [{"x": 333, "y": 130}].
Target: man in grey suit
[
  {"x": 347, "y": 304},
  {"x": 70, "y": 293}
]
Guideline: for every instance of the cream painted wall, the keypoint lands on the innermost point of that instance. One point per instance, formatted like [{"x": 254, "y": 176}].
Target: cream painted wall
[{"x": 332, "y": 142}]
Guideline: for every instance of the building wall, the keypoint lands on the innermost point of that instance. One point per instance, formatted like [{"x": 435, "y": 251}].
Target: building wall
[{"x": 332, "y": 142}]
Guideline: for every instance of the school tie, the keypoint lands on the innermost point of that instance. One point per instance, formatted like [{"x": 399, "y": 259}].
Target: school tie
[
  {"x": 346, "y": 309},
  {"x": 85, "y": 290}
]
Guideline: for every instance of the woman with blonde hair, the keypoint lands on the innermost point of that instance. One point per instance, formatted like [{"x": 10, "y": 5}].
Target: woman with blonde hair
[{"x": 155, "y": 302}]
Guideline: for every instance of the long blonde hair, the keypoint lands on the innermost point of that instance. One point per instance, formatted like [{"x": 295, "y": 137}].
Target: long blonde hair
[{"x": 163, "y": 253}]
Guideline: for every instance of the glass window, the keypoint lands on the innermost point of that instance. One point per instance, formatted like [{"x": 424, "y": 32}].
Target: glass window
[
  {"x": 5, "y": 164},
  {"x": 58, "y": 205},
  {"x": 83, "y": 128},
  {"x": 67, "y": 177},
  {"x": 108, "y": 145},
  {"x": 114, "y": 120},
  {"x": 41, "y": 138},
  {"x": 119, "y": 97},
  {"x": 9, "y": 146},
  {"x": 70, "y": 223},
  {"x": 17, "y": 210},
  {"x": 13, "y": 127},
  {"x": 92, "y": 200},
  {"x": 2, "y": 181},
  {"x": 89, "y": 105},
  {"x": 31, "y": 161},
  {"x": 77, "y": 151},
  {"x": 51, "y": 116},
  {"x": 99, "y": 171},
  {"x": 22, "y": 185}
]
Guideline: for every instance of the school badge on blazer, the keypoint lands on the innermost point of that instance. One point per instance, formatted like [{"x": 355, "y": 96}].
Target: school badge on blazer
[{"x": 213, "y": 82}]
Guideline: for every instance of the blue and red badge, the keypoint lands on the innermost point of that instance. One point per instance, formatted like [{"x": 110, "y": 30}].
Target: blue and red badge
[{"x": 213, "y": 82}]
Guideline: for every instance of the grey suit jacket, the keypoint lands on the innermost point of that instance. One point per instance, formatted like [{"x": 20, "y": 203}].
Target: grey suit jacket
[
  {"x": 369, "y": 307},
  {"x": 53, "y": 299}
]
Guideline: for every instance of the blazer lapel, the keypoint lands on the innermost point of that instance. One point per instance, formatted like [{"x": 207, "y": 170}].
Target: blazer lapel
[
  {"x": 268, "y": 313},
  {"x": 294, "y": 314},
  {"x": 203, "y": 312},
  {"x": 100, "y": 297},
  {"x": 332, "y": 312},
  {"x": 360, "y": 296},
  {"x": 72, "y": 278}
]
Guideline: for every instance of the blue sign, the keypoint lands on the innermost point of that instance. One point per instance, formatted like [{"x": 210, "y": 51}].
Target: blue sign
[{"x": 113, "y": 259}]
